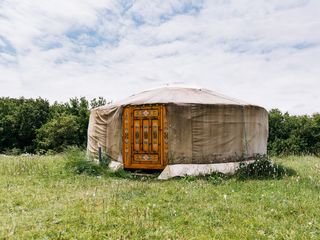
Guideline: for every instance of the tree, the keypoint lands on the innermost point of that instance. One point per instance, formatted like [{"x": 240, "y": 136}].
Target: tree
[
  {"x": 31, "y": 115},
  {"x": 290, "y": 134},
  {"x": 80, "y": 109},
  {"x": 19, "y": 120},
  {"x": 58, "y": 133},
  {"x": 8, "y": 123},
  {"x": 98, "y": 102}
]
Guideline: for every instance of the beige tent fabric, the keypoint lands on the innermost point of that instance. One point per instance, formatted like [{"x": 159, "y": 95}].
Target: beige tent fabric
[
  {"x": 256, "y": 130},
  {"x": 179, "y": 133},
  {"x": 201, "y": 134},
  {"x": 217, "y": 133},
  {"x": 105, "y": 131},
  {"x": 204, "y": 127}
]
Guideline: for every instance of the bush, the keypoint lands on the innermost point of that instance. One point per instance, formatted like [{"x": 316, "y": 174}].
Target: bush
[{"x": 262, "y": 168}]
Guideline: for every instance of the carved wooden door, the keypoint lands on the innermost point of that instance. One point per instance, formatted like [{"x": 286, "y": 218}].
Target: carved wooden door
[{"x": 145, "y": 137}]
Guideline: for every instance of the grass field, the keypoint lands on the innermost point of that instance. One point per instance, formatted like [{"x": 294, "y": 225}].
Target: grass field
[{"x": 39, "y": 199}]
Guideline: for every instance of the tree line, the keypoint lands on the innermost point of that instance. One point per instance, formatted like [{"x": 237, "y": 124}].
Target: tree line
[
  {"x": 36, "y": 126},
  {"x": 292, "y": 134}
]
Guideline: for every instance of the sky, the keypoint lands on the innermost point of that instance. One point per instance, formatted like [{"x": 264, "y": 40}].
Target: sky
[{"x": 266, "y": 52}]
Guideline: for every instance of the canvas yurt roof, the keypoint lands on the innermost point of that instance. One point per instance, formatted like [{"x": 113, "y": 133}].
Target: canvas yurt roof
[{"x": 179, "y": 95}]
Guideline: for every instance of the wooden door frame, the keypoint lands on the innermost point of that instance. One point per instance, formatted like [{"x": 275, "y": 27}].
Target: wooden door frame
[{"x": 127, "y": 136}]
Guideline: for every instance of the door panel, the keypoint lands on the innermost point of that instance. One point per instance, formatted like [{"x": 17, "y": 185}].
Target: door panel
[
  {"x": 137, "y": 135},
  {"x": 144, "y": 133},
  {"x": 155, "y": 135}
]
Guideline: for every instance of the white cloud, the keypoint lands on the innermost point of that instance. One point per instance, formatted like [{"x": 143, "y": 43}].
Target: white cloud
[{"x": 266, "y": 52}]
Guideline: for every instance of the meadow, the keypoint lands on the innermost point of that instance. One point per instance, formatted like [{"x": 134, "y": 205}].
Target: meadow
[{"x": 41, "y": 199}]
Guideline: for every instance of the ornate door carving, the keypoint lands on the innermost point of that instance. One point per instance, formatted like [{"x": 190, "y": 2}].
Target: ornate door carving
[{"x": 145, "y": 137}]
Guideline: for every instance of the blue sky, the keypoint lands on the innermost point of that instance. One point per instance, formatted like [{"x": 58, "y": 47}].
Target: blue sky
[{"x": 266, "y": 52}]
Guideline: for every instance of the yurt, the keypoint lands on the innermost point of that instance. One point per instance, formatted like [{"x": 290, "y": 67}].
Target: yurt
[{"x": 182, "y": 130}]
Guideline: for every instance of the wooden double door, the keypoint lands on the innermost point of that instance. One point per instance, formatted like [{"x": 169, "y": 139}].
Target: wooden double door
[{"x": 145, "y": 137}]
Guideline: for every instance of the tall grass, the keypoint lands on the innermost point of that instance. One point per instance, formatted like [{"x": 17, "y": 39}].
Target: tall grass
[
  {"x": 32, "y": 165},
  {"x": 78, "y": 163}
]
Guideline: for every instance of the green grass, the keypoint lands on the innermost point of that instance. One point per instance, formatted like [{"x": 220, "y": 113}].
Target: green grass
[{"x": 41, "y": 199}]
